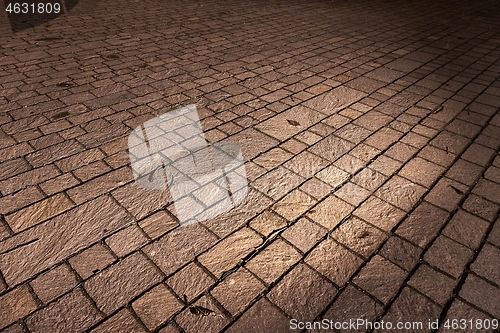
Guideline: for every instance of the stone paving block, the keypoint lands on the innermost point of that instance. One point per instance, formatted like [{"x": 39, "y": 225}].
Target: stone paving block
[
  {"x": 400, "y": 192},
  {"x": 306, "y": 164},
  {"x": 385, "y": 165},
  {"x": 423, "y": 224},
  {"x": 158, "y": 224},
  {"x": 379, "y": 213},
  {"x": 294, "y": 146},
  {"x": 421, "y": 172},
  {"x": 20, "y": 199},
  {"x": 28, "y": 178},
  {"x": 332, "y": 101},
  {"x": 179, "y": 247},
  {"x": 12, "y": 168},
  {"x": 415, "y": 140},
  {"x": 303, "y": 293},
  {"x": 466, "y": 229},
  {"x": 304, "y": 234},
  {"x": 91, "y": 171},
  {"x": 261, "y": 316},
  {"x": 100, "y": 185},
  {"x": 493, "y": 174},
  {"x": 53, "y": 283},
  {"x": 401, "y": 252},
  {"x": 450, "y": 142},
  {"x": 488, "y": 190},
  {"x": 351, "y": 304},
  {"x": 273, "y": 158},
  {"x": 252, "y": 142},
  {"x": 401, "y": 152},
  {"x": 448, "y": 256},
  {"x": 316, "y": 188},
  {"x": 464, "y": 172},
  {"x": 289, "y": 123},
  {"x": 353, "y": 133},
  {"x": 294, "y": 205},
  {"x": 352, "y": 193},
  {"x": 478, "y": 154},
  {"x": 267, "y": 222},
  {"x": 38, "y": 212},
  {"x": 463, "y": 128},
  {"x": 237, "y": 290},
  {"x": 460, "y": 310},
  {"x": 333, "y": 261},
  {"x": 330, "y": 212},
  {"x": 364, "y": 152},
  {"x": 494, "y": 235},
  {"x": 59, "y": 238},
  {"x": 73, "y": 312},
  {"x": 230, "y": 221},
  {"x": 277, "y": 182},
  {"x": 156, "y": 306},
  {"x": 433, "y": 284},
  {"x": 333, "y": 176},
  {"x": 331, "y": 148},
  {"x": 80, "y": 159},
  {"x": 230, "y": 251},
  {"x": 121, "y": 282},
  {"x": 359, "y": 236},
  {"x": 380, "y": 278},
  {"x": 190, "y": 281},
  {"x": 436, "y": 155},
  {"x": 16, "y": 304},
  {"x": 485, "y": 263},
  {"x": 91, "y": 261},
  {"x": 349, "y": 163},
  {"x": 446, "y": 194},
  {"x": 126, "y": 241},
  {"x": 336, "y": 121},
  {"x": 373, "y": 120},
  {"x": 482, "y": 294},
  {"x": 369, "y": 179},
  {"x": 191, "y": 323},
  {"x": 138, "y": 201},
  {"x": 123, "y": 321},
  {"x": 54, "y": 153},
  {"x": 273, "y": 261},
  {"x": 383, "y": 138},
  {"x": 59, "y": 184},
  {"x": 413, "y": 307},
  {"x": 481, "y": 207}
]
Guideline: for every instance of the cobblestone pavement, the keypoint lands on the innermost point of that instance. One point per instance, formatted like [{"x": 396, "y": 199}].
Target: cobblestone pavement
[{"x": 370, "y": 131}]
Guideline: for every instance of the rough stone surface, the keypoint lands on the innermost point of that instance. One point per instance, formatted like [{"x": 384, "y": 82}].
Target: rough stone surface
[
  {"x": 262, "y": 316},
  {"x": 121, "y": 282},
  {"x": 59, "y": 238},
  {"x": 16, "y": 304},
  {"x": 380, "y": 278},
  {"x": 237, "y": 290},
  {"x": 156, "y": 306},
  {"x": 179, "y": 247},
  {"x": 73, "y": 312},
  {"x": 123, "y": 321},
  {"x": 303, "y": 293},
  {"x": 226, "y": 254},
  {"x": 271, "y": 263},
  {"x": 334, "y": 262}
]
